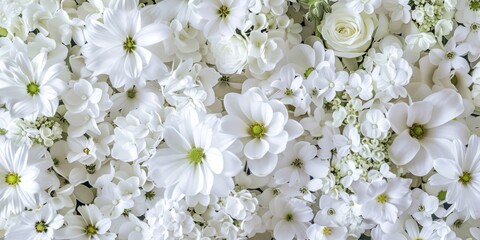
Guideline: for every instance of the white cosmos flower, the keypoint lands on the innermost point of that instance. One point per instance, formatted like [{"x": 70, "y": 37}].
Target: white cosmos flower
[
  {"x": 424, "y": 130},
  {"x": 198, "y": 153},
  {"x": 90, "y": 224},
  {"x": 36, "y": 225},
  {"x": 291, "y": 218},
  {"x": 262, "y": 125},
  {"x": 461, "y": 175},
  {"x": 31, "y": 88},
  {"x": 18, "y": 176},
  {"x": 120, "y": 46},
  {"x": 222, "y": 16},
  {"x": 383, "y": 201}
]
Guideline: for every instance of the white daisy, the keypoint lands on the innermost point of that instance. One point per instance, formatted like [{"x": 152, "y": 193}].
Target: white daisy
[
  {"x": 197, "y": 152},
  {"x": 31, "y": 88},
  {"x": 222, "y": 16},
  {"x": 18, "y": 184},
  {"x": 263, "y": 126},
  {"x": 36, "y": 225},
  {"x": 91, "y": 224},
  {"x": 291, "y": 218},
  {"x": 120, "y": 46},
  {"x": 461, "y": 175}
]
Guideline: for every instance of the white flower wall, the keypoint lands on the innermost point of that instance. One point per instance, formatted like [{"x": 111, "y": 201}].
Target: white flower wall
[{"x": 239, "y": 119}]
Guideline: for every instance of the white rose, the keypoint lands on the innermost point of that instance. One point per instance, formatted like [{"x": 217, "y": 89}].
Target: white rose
[
  {"x": 348, "y": 33},
  {"x": 230, "y": 54}
]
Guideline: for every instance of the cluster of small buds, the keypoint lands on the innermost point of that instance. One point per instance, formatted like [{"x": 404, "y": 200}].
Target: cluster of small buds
[{"x": 427, "y": 13}]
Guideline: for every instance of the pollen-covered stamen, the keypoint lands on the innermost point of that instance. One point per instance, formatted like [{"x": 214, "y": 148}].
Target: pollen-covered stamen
[
  {"x": 12, "y": 178},
  {"x": 129, "y": 45},
  {"x": 196, "y": 155},
  {"x": 474, "y": 5},
  {"x": 382, "y": 198},
  {"x": 450, "y": 54},
  {"x": 33, "y": 89},
  {"x": 90, "y": 230},
  {"x": 223, "y": 11},
  {"x": 86, "y": 151},
  {"x": 417, "y": 131},
  {"x": 257, "y": 130},
  {"x": 40, "y": 226},
  {"x": 327, "y": 231},
  {"x": 465, "y": 179},
  {"x": 297, "y": 163}
]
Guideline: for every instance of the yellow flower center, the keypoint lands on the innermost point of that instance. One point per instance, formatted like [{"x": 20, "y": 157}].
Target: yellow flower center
[
  {"x": 417, "y": 131},
  {"x": 257, "y": 130},
  {"x": 327, "y": 231},
  {"x": 86, "y": 151},
  {"x": 33, "y": 89},
  {"x": 223, "y": 11},
  {"x": 40, "y": 226},
  {"x": 129, "y": 45},
  {"x": 382, "y": 198},
  {"x": 465, "y": 179},
  {"x": 90, "y": 230},
  {"x": 12, "y": 179},
  {"x": 196, "y": 155}
]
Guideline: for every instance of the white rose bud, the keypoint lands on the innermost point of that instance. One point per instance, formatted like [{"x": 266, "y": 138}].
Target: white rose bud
[
  {"x": 348, "y": 33},
  {"x": 443, "y": 27},
  {"x": 230, "y": 54}
]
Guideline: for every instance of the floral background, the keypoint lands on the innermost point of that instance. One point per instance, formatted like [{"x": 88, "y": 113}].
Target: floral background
[{"x": 239, "y": 119}]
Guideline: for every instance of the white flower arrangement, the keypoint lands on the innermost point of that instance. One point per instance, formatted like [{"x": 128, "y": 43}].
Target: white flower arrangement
[{"x": 239, "y": 119}]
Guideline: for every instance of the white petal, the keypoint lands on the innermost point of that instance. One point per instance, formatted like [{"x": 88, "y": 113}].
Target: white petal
[
  {"x": 256, "y": 148},
  {"x": 264, "y": 166},
  {"x": 403, "y": 148},
  {"x": 151, "y": 34},
  {"x": 214, "y": 159},
  {"x": 176, "y": 141},
  {"x": 447, "y": 105},
  {"x": 397, "y": 115}
]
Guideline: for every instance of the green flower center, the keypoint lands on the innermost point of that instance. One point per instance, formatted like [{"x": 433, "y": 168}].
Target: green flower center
[
  {"x": 297, "y": 163},
  {"x": 223, "y": 11},
  {"x": 288, "y": 92},
  {"x": 12, "y": 179},
  {"x": 331, "y": 211},
  {"x": 442, "y": 195},
  {"x": 131, "y": 93},
  {"x": 382, "y": 198},
  {"x": 150, "y": 195},
  {"x": 308, "y": 71},
  {"x": 33, "y": 89},
  {"x": 474, "y": 5},
  {"x": 289, "y": 217},
  {"x": 458, "y": 223},
  {"x": 327, "y": 231},
  {"x": 474, "y": 27},
  {"x": 257, "y": 130},
  {"x": 465, "y": 179},
  {"x": 129, "y": 45},
  {"x": 417, "y": 131},
  {"x": 196, "y": 155},
  {"x": 40, "y": 226},
  {"x": 90, "y": 230},
  {"x": 3, "y": 131},
  {"x": 450, "y": 54}
]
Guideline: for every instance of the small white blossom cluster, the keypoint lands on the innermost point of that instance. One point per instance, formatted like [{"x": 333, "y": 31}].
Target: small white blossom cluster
[{"x": 239, "y": 119}]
